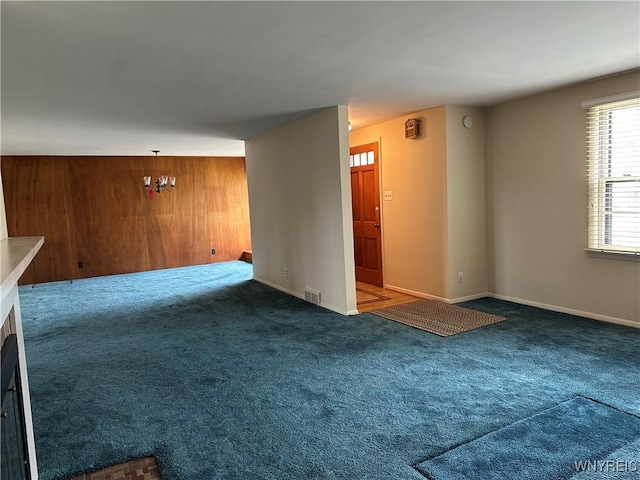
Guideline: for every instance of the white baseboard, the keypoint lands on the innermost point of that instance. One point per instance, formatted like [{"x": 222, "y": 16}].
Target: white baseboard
[
  {"x": 416, "y": 294},
  {"x": 434, "y": 297},
  {"x": 278, "y": 287},
  {"x": 522, "y": 301},
  {"x": 468, "y": 298},
  {"x": 301, "y": 296},
  {"x": 341, "y": 312},
  {"x": 570, "y": 311}
]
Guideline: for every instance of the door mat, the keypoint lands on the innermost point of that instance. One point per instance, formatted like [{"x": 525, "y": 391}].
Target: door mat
[{"x": 437, "y": 317}]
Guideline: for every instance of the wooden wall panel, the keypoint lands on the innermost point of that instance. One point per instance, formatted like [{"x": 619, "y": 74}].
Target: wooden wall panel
[
  {"x": 116, "y": 246},
  {"x": 95, "y": 210},
  {"x": 181, "y": 208},
  {"x": 226, "y": 192},
  {"x": 238, "y": 216},
  {"x": 106, "y": 207},
  {"x": 201, "y": 217},
  {"x": 37, "y": 200}
]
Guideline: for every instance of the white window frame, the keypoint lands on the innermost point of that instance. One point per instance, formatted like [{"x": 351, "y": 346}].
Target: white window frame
[{"x": 600, "y": 180}]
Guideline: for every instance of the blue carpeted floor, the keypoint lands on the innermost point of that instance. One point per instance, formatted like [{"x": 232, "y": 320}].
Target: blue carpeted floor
[
  {"x": 221, "y": 377},
  {"x": 560, "y": 442}
]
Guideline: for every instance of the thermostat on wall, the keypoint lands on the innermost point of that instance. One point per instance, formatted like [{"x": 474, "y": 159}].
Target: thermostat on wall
[{"x": 467, "y": 121}]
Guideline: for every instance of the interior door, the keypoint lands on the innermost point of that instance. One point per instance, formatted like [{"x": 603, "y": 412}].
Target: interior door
[{"x": 365, "y": 204}]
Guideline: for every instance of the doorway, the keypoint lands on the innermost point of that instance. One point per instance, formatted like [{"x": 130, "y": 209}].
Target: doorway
[{"x": 365, "y": 206}]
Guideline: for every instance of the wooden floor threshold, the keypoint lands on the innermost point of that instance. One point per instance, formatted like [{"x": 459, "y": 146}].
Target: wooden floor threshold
[{"x": 371, "y": 297}]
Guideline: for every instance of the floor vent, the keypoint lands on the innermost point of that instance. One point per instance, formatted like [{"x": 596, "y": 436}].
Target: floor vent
[{"x": 312, "y": 296}]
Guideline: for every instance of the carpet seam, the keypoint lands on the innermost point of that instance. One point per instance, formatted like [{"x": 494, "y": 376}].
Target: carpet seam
[
  {"x": 500, "y": 428},
  {"x": 416, "y": 464},
  {"x": 635, "y": 415}
]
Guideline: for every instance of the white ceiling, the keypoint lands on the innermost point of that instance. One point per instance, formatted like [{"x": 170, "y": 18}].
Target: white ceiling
[{"x": 197, "y": 78}]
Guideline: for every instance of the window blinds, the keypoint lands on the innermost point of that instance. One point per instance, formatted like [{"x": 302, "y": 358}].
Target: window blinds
[{"x": 613, "y": 172}]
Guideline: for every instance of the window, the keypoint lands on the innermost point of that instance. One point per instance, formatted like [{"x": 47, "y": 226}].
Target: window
[
  {"x": 362, "y": 159},
  {"x": 613, "y": 170}
]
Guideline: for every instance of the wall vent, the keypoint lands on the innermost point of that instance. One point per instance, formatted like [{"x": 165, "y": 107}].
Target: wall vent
[{"x": 312, "y": 296}]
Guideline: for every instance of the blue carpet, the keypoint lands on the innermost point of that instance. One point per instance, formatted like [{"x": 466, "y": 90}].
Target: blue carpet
[
  {"x": 560, "y": 442},
  {"x": 221, "y": 377}
]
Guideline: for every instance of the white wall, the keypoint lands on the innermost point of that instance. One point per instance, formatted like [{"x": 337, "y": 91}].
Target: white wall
[
  {"x": 435, "y": 226},
  {"x": 300, "y": 207},
  {"x": 414, "y": 223},
  {"x": 466, "y": 204},
  {"x": 537, "y": 191}
]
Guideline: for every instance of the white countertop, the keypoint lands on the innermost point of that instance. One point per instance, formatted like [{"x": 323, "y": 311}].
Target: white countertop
[{"x": 16, "y": 253}]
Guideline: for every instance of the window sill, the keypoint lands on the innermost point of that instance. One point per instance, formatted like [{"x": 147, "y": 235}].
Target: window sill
[{"x": 613, "y": 255}]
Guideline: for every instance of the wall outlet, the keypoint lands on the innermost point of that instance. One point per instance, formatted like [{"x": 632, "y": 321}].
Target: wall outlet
[
  {"x": 286, "y": 272},
  {"x": 80, "y": 265},
  {"x": 213, "y": 251},
  {"x": 460, "y": 277},
  {"x": 388, "y": 195}
]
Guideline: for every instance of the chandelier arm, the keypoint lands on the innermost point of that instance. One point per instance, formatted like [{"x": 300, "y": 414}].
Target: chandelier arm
[{"x": 164, "y": 182}]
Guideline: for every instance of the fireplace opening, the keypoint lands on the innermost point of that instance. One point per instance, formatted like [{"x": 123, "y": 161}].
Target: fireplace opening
[{"x": 15, "y": 461}]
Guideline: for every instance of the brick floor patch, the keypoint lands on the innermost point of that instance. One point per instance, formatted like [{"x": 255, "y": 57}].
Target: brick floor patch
[{"x": 143, "y": 469}]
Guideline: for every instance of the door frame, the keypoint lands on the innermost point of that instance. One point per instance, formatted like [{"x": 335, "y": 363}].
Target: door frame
[{"x": 377, "y": 166}]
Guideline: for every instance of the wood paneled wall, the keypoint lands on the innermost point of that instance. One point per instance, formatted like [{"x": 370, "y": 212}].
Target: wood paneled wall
[{"x": 95, "y": 210}]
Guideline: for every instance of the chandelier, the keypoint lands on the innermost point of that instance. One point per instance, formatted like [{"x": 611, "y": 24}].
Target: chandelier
[{"x": 164, "y": 183}]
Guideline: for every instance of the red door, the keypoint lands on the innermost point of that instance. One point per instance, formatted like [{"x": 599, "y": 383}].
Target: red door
[{"x": 365, "y": 204}]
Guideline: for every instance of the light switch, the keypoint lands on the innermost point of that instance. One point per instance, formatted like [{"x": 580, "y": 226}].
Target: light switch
[{"x": 388, "y": 195}]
